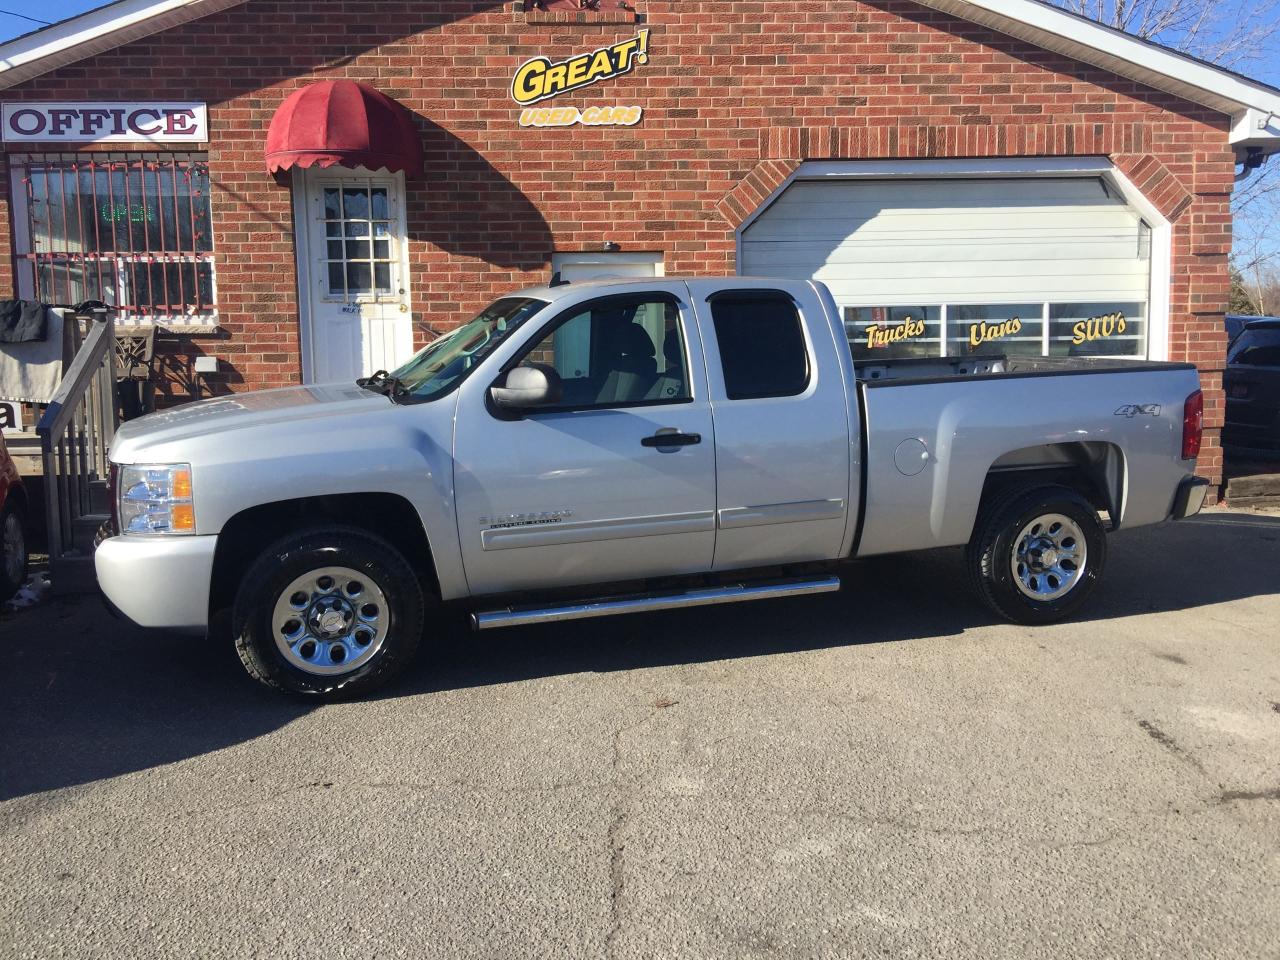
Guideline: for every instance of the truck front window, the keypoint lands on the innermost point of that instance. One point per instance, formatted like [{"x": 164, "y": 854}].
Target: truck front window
[{"x": 441, "y": 365}]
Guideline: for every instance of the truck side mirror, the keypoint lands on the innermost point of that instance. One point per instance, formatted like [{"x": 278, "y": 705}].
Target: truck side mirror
[{"x": 528, "y": 386}]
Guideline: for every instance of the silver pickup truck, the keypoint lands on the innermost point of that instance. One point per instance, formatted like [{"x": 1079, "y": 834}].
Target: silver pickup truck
[{"x": 622, "y": 446}]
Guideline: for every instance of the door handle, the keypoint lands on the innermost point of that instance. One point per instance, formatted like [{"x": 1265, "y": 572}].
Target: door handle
[{"x": 672, "y": 439}]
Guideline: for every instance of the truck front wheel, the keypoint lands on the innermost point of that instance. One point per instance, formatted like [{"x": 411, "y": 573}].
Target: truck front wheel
[
  {"x": 328, "y": 612},
  {"x": 1036, "y": 553}
]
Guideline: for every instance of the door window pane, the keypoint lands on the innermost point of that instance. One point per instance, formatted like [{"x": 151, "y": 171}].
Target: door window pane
[
  {"x": 367, "y": 248},
  {"x": 355, "y": 203},
  {"x": 762, "y": 346},
  {"x": 359, "y": 278},
  {"x": 1009, "y": 329},
  {"x": 1097, "y": 330},
  {"x": 890, "y": 333},
  {"x": 620, "y": 351}
]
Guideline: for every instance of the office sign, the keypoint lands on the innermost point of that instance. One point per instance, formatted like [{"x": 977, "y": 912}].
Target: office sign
[{"x": 114, "y": 122}]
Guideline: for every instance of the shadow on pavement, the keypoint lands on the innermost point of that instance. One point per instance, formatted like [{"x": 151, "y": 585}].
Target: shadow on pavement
[{"x": 88, "y": 697}]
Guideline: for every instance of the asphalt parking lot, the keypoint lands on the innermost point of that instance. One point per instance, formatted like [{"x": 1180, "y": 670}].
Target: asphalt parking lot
[{"x": 886, "y": 771}]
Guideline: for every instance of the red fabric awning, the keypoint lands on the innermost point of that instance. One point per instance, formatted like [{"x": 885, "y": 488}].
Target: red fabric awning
[{"x": 343, "y": 123}]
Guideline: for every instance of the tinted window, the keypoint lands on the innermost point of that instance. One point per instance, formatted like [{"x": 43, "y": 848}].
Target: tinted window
[
  {"x": 762, "y": 348},
  {"x": 616, "y": 352},
  {"x": 1259, "y": 347}
]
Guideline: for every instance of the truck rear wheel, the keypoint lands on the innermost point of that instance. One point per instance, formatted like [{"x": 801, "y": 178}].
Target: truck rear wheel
[
  {"x": 1036, "y": 553},
  {"x": 327, "y": 613}
]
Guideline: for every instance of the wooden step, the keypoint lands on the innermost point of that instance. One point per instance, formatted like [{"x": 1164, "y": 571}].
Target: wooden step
[
  {"x": 24, "y": 448},
  {"x": 1254, "y": 490}
]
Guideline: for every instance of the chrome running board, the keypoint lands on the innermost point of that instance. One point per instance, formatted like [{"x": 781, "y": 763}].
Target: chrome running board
[{"x": 648, "y": 602}]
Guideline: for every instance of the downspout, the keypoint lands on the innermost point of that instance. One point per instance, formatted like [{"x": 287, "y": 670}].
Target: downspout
[{"x": 1253, "y": 161}]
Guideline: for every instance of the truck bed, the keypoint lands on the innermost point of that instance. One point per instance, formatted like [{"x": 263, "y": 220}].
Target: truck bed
[
  {"x": 935, "y": 430},
  {"x": 917, "y": 370}
]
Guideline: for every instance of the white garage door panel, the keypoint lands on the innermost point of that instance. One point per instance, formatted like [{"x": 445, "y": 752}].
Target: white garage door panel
[
  {"x": 906, "y": 241},
  {"x": 1117, "y": 253}
]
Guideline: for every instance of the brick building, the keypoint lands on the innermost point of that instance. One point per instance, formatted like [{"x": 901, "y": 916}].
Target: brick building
[{"x": 947, "y": 166}]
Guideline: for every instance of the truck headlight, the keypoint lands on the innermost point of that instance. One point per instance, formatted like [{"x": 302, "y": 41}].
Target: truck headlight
[{"x": 156, "y": 498}]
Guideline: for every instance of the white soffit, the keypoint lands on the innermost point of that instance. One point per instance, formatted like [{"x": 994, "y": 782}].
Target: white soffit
[{"x": 103, "y": 28}]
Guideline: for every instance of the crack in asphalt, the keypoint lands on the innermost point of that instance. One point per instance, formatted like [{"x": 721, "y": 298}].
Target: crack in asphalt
[
  {"x": 915, "y": 826},
  {"x": 1227, "y": 796},
  {"x": 1170, "y": 744},
  {"x": 621, "y": 810}
]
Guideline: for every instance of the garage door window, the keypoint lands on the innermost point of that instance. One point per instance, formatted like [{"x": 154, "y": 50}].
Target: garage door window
[
  {"x": 893, "y": 332},
  {"x": 1097, "y": 329},
  {"x": 1012, "y": 329}
]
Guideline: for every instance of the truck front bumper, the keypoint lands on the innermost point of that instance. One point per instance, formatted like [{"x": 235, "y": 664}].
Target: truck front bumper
[
  {"x": 1189, "y": 498},
  {"x": 158, "y": 582}
]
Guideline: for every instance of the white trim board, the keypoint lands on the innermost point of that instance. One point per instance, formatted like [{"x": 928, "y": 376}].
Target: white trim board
[{"x": 97, "y": 30}]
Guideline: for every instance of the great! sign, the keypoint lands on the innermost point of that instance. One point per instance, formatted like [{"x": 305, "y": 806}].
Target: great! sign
[
  {"x": 148, "y": 122},
  {"x": 540, "y": 78}
]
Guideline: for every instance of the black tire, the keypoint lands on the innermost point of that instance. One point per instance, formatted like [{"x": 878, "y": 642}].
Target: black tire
[
  {"x": 990, "y": 554},
  {"x": 13, "y": 569},
  {"x": 383, "y": 572}
]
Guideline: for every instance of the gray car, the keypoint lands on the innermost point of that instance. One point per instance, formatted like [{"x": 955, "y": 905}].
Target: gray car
[{"x": 615, "y": 447}]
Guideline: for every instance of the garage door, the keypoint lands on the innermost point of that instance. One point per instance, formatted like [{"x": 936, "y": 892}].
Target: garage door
[{"x": 961, "y": 267}]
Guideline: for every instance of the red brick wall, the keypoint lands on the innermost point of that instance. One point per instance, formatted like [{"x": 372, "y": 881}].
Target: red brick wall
[{"x": 728, "y": 85}]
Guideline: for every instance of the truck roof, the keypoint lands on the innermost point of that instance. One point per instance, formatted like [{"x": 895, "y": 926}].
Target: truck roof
[{"x": 567, "y": 287}]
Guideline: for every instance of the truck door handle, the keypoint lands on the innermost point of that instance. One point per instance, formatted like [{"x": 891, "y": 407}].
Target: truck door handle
[{"x": 673, "y": 439}]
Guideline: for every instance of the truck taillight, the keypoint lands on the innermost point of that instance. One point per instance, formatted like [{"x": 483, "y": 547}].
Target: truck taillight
[{"x": 1192, "y": 425}]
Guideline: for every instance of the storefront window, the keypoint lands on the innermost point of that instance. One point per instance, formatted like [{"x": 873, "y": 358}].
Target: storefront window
[
  {"x": 131, "y": 230},
  {"x": 1010, "y": 329},
  {"x": 1097, "y": 330},
  {"x": 891, "y": 333}
]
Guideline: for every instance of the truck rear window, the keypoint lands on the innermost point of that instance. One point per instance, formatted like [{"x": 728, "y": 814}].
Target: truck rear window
[
  {"x": 1256, "y": 347},
  {"x": 762, "y": 345}
]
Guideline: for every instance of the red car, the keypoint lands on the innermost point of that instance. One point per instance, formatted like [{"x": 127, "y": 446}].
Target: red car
[{"x": 13, "y": 526}]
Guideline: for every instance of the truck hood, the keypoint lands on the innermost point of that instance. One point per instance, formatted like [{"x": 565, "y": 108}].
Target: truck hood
[{"x": 223, "y": 415}]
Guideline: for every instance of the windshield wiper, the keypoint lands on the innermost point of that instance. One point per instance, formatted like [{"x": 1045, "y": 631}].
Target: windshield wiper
[{"x": 384, "y": 383}]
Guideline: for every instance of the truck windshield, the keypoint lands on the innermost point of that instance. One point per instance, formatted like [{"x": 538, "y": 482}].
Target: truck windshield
[{"x": 444, "y": 363}]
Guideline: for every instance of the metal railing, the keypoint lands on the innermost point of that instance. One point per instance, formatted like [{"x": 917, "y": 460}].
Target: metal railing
[{"x": 76, "y": 431}]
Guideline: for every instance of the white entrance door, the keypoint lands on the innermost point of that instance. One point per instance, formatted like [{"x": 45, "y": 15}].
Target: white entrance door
[{"x": 353, "y": 267}]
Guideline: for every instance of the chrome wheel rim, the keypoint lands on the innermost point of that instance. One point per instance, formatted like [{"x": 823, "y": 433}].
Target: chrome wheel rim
[
  {"x": 329, "y": 621},
  {"x": 15, "y": 549},
  {"x": 1049, "y": 557}
]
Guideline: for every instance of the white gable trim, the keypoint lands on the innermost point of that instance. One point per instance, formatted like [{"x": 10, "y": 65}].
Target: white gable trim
[
  {"x": 1254, "y": 107},
  {"x": 93, "y": 32}
]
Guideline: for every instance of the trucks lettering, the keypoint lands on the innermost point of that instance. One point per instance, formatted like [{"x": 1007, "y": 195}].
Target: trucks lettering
[{"x": 881, "y": 336}]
